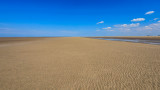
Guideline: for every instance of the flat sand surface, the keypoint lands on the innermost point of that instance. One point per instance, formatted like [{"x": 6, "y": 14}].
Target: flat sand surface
[{"x": 76, "y": 63}]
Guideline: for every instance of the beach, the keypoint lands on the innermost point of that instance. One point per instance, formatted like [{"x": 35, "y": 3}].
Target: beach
[{"x": 78, "y": 63}]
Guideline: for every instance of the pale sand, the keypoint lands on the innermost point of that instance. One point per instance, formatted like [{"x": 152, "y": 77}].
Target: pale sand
[{"x": 75, "y": 63}]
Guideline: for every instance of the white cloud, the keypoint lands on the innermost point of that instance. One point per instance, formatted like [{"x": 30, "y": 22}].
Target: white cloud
[
  {"x": 138, "y": 19},
  {"x": 147, "y": 27},
  {"x": 155, "y": 19},
  {"x": 155, "y": 25},
  {"x": 100, "y": 22},
  {"x": 137, "y": 29},
  {"x": 149, "y": 12},
  {"x": 159, "y": 21},
  {"x": 134, "y": 25},
  {"x": 124, "y": 25},
  {"x": 107, "y": 28},
  {"x": 128, "y": 25},
  {"x": 111, "y": 30},
  {"x": 152, "y": 27}
]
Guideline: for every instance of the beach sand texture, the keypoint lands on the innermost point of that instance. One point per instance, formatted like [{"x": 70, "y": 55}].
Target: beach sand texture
[{"x": 76, "y": 63}]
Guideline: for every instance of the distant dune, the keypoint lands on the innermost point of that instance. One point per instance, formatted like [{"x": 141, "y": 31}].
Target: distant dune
[{"x": 76, "y": 63}]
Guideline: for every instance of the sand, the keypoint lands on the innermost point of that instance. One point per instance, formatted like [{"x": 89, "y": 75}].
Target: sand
[{"x": 76, "y": 63}]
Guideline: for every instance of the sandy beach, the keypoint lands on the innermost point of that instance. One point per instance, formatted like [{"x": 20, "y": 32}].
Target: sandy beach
[{"x": 76, "y": 63}]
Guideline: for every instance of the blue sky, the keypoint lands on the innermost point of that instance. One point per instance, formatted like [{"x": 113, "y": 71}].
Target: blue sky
[{"x": 37, "y": 18}]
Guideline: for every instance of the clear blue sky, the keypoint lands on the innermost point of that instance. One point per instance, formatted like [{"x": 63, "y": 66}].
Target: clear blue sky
[{"x": 29, "y": 18}]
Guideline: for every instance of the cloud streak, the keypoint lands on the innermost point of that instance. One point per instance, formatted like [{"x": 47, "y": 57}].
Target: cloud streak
[
  {"x": 149, "y": 12},
  {"x": 155, "y": 19},
  {"x": 128, "y": 25},
  {"x": 100, "y": 22},
  {"x": 138, "y": 19},
  {"x": 107, "y": 28}
]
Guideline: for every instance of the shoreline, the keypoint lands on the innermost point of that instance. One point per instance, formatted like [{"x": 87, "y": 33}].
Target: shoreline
[
  {"x": 130, "y": 37},
  {"x": 155, "y": 40}
]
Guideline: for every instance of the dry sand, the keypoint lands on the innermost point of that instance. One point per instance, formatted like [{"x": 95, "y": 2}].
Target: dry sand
[{"x": 75, "y": 63}]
